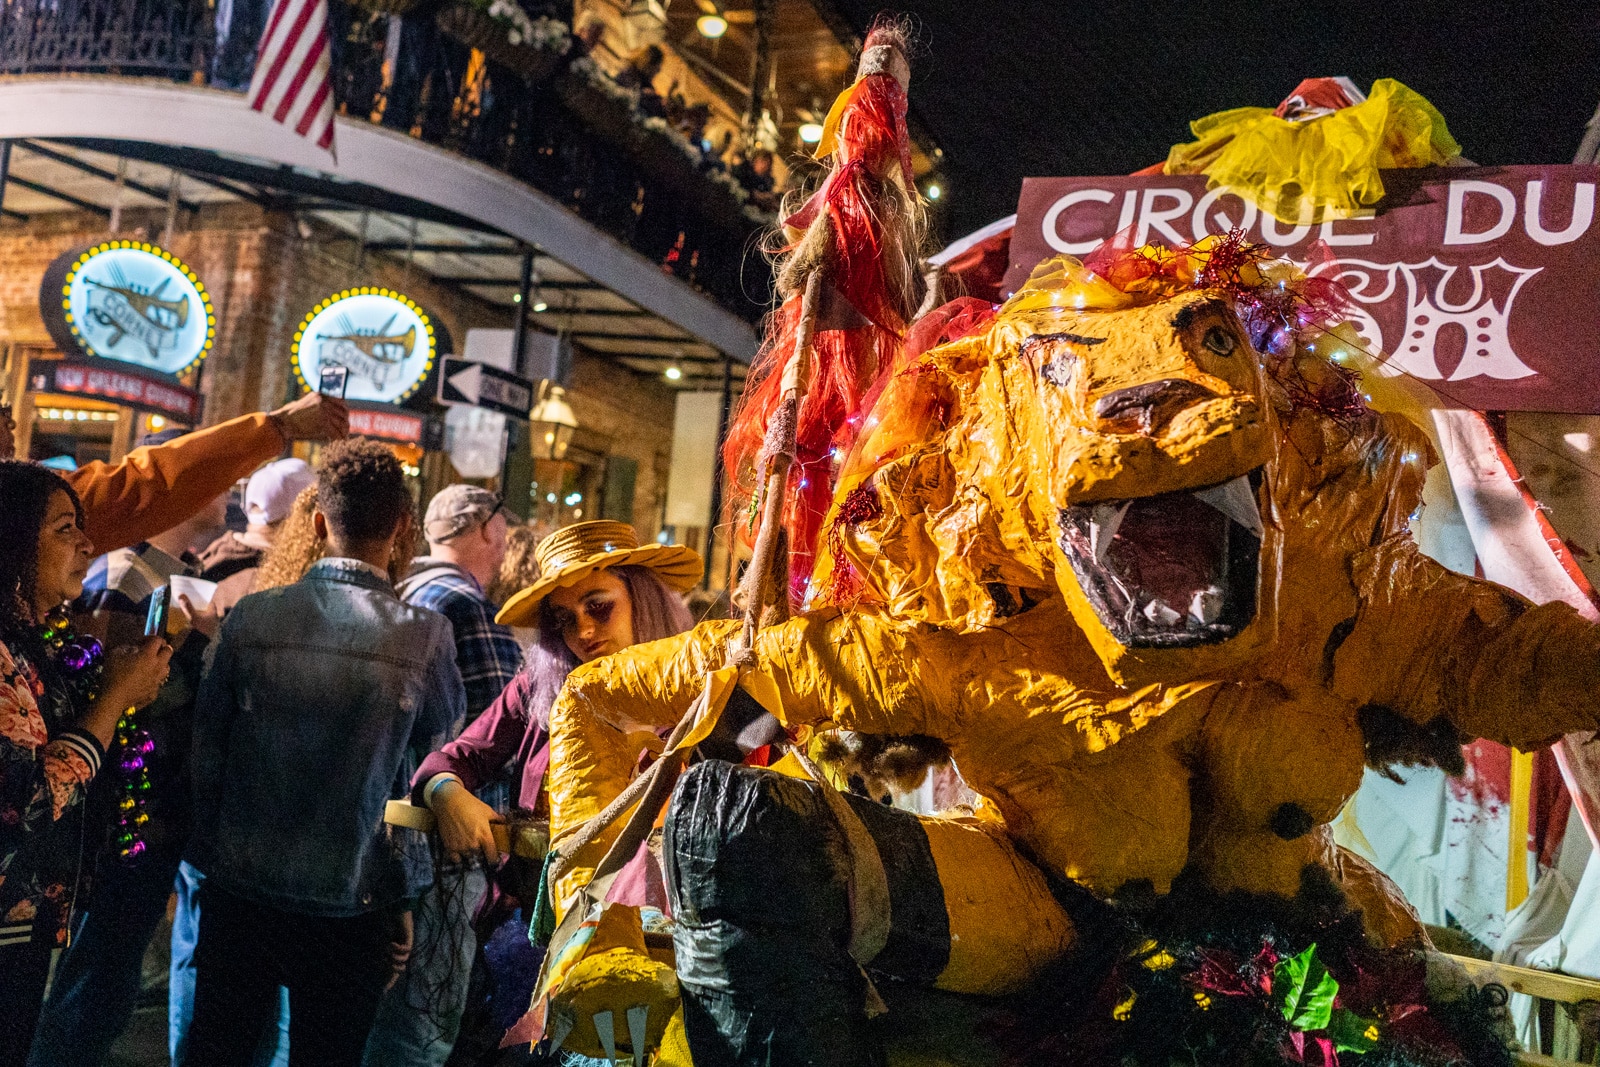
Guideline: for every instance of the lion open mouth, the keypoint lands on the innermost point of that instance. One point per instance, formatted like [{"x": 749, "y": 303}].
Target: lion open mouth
[{"x": 1169, "y": 571}]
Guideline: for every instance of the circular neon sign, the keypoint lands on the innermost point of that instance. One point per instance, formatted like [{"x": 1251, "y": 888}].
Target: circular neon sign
[
  {"x": 380, "y": 336},
  {"x": 136, "y": 303}
]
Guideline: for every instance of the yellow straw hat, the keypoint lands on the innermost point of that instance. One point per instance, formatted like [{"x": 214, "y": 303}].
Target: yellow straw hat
[{"x": 574, "y": 552}]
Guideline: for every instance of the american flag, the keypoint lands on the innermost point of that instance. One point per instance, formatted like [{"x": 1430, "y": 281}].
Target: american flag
[{"x": 293, "y": 83}]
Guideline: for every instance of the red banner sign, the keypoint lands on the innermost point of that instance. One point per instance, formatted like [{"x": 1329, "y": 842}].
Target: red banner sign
[
  {"x": 1481, "y": 281},
  {"x": 113, "y": 381},
  {"x": 388, "y": 424}
]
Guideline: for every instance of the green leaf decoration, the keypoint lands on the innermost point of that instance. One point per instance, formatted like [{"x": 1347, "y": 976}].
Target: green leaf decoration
[
  {"x": 1305, "y": 990},
  {"x": 1352, "y": 1033}
]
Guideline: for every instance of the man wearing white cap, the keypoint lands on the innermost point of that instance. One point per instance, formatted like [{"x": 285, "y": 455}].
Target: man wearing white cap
[
  {"x": 466, "y": 530},
  {"x": 232, "y": 559}
]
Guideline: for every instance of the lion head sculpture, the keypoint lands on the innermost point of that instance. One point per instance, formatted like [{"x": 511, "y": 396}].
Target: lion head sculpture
[{"x": 1124, "y": 449}]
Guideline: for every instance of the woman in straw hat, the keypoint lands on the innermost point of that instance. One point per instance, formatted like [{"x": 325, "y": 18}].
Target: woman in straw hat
[{"x": 599, "y": 591}]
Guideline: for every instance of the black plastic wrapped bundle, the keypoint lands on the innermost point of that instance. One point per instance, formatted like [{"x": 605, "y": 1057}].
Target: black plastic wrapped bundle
[{"x": 758, "y": 874}]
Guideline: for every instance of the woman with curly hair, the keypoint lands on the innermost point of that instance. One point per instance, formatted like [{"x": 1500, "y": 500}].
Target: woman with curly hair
[
  {"x": 296, "y": 548},
  {"x": 519, "y": 569},
  {"x": 60, "y": 702}
]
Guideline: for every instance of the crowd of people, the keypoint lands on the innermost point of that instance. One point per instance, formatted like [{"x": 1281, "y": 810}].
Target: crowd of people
[{"x": 232, "y": 768}]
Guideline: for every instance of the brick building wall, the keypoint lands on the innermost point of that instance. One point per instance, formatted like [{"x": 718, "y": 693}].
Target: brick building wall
[{"x": 263, "y": 276}]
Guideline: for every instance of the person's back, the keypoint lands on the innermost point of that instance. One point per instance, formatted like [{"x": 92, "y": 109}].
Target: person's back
[
  {"x": 329, "y": 680},
  {"x": 419, "y": 1019},
  {"x": 319, "y": 699}
]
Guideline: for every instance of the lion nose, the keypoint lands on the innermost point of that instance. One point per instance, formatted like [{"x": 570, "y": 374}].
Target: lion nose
[{"x": 1148, "y": 407}]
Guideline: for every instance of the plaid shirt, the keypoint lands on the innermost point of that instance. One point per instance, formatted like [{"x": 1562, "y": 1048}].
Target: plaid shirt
[
  {"x": 123, "y": 580},
  {"x": 486, "y": 652}
]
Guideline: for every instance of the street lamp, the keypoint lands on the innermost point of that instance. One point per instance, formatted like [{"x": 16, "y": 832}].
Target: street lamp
[
  {"x": 551, "y": 423},
  {"x": 711, "y": 25}
]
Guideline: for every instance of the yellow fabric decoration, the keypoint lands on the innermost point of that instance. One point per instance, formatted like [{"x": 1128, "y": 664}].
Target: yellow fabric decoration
[
  {"x": 830, "y": 125},
  {"x": 1321, "y": 168}
]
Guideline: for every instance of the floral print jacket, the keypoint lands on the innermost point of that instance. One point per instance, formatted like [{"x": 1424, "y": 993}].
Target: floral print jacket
[{"x": 45, "y": 770}]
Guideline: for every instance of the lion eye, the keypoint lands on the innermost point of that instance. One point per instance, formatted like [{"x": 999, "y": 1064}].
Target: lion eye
[
  {"x": 1219, "y": 341},
  {"x": 1058, "y": 371}
]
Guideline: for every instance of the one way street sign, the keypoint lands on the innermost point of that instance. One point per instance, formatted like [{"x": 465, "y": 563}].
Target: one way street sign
[{"x": 479, "y": 385}]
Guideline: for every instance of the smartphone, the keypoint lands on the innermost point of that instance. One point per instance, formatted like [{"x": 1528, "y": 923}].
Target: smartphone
[
  {"x": 333, "y": 381},
  {"x": 155, "y": 621}
]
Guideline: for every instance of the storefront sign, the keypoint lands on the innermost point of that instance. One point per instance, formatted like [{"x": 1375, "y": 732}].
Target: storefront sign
[
  {"x": 1479, "y": 281},
  {"x": 387, "y": 424},
  {"x": 109, "y": 382},
  {"x": 384, "y": 339},
  {"x": 128, "y": 301}
]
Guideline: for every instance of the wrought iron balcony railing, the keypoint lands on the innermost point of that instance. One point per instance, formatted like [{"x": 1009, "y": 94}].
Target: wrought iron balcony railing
[
  {"x": 540, "y": 111},
  {"x": 171, "y": 38}
]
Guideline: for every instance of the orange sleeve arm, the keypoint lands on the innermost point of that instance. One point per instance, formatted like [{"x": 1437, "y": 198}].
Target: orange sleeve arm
[{"x": 157, "y": 487}]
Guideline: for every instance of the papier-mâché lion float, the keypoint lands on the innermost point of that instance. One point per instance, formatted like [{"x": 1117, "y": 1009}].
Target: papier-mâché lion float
[{"x": 1159, "y": 601}]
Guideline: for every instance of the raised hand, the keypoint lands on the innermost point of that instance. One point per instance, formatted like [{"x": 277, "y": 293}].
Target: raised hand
[{"x": 313, "y": 417}]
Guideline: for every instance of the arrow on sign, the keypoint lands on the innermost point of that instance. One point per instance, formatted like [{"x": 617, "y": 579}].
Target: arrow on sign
[{"x": 468, "y": 382}]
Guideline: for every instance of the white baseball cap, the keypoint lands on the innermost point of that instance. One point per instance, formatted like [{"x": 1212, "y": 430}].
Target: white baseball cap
[{"x": 272, "y": 489}]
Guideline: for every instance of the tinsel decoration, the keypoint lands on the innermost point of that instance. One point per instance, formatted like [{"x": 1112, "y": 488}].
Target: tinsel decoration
[
  {"x": 1280, "y": 311},
  {"x": 1228, "y": 979}
]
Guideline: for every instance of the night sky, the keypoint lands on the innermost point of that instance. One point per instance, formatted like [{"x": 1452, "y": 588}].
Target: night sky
[{"x": 1061, "y": 87}]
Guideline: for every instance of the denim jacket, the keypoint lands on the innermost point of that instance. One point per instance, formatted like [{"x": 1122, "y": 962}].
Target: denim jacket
[{"x": 320, "y": 700}]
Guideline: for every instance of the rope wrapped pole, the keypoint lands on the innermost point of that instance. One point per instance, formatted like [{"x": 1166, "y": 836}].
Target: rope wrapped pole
[{"x": 778, "y": 453}]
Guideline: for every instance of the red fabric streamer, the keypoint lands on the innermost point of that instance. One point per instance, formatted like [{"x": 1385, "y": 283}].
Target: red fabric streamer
[
  {"x": 850, "y": 362},
  {"x": 862, "y": 505}
]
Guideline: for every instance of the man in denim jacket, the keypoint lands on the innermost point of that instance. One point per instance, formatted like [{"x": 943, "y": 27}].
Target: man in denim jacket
[{"x": 318, "y": 702}]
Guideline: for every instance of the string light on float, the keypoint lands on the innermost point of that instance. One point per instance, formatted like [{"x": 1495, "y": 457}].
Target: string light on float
[{"x": 673, "y": 373}]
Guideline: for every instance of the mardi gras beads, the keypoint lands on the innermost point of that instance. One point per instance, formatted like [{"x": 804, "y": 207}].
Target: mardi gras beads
[
  {"x": 136, "y": 747},
  {"x": 80, "y": 657}
]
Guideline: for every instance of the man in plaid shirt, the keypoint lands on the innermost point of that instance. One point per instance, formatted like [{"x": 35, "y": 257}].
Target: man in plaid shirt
[{"x": 466, "y": 529}]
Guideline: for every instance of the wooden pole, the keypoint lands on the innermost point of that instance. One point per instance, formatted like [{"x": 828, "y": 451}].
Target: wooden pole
[
  {"x": 718, "y": 474},
  {"x": 779, "y": 447}
]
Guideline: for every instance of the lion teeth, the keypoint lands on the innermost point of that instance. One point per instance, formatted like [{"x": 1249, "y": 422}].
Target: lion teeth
[
  {"x": 1237, "y": 501},
  {"x": 1158, "y": 612},
  {"x": 1104, "y": 522},
  {"x": 1206, "y": 607},
  {"x": 560, "y": 1027}
]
